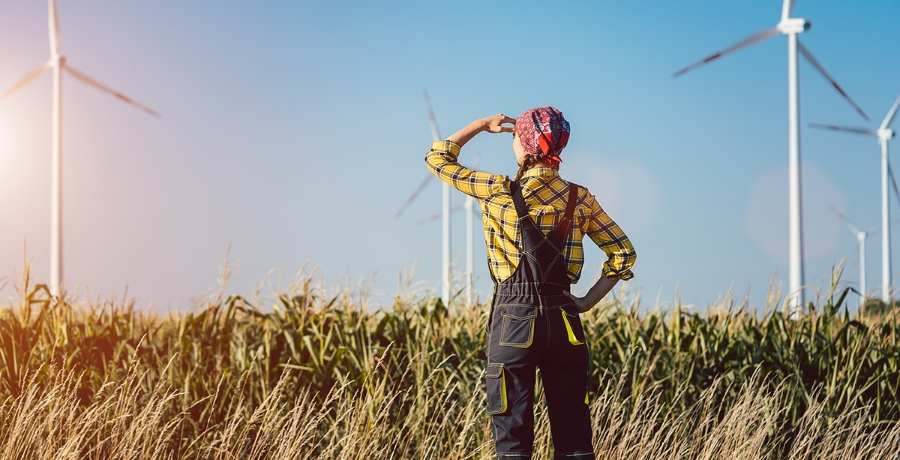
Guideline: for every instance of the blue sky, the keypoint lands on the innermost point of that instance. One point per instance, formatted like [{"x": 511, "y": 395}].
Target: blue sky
[{"x": 295, "y": 130}]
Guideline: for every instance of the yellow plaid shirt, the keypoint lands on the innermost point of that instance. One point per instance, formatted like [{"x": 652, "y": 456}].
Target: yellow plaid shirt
[{"x": 545, "y": 193}]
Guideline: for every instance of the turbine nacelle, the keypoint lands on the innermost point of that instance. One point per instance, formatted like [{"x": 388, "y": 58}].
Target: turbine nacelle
[
  {"x": 793, "y": 26},
  {"x": 885, "y": 134}
]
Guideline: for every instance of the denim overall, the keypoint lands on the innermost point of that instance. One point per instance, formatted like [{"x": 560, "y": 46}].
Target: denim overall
[{"x": 532, "y": 324}]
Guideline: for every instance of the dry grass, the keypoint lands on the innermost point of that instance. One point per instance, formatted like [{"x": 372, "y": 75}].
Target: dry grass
[
  {"x": 307, "y": 374},
  {"x": 123, "y": 421}
]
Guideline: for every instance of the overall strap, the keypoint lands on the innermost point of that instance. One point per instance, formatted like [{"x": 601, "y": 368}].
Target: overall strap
[
  {"x": 518, "y": 199},
  {"x": 570, "y": 202},
  {"x": 522, "y": 208}
]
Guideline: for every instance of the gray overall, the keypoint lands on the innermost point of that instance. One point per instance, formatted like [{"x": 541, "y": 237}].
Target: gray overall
[{"x": 532, "y": 324}]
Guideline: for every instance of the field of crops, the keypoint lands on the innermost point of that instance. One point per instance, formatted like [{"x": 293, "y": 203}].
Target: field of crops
[{"x": 310, "y": 372}]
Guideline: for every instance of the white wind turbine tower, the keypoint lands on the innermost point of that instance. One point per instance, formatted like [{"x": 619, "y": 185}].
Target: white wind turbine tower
[
  {"x": 791, "y": 27},
  {"x": 445, "y": 212},
  {"x": 58, "y": 63},
  {"x": 445, "y": 209},
  {"x": 883, "y": 134},
  {"x": 861, "y": 245}
]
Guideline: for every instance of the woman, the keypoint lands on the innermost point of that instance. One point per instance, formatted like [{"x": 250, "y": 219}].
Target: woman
[{"x": 533, "y": 226}]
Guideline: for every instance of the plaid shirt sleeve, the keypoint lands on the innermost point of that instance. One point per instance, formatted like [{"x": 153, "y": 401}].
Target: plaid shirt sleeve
[
  {"x": 604, "y": 232},
  {"x": 442, "y": 160}
]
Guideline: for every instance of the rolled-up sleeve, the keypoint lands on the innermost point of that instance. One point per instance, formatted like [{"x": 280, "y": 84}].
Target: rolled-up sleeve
[
  {"x": 607, "y": 235},
  {"x": 442, "y": 161}
]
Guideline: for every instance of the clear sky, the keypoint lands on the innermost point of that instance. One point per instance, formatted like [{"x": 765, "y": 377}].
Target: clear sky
[{"x": 295, "y": 131}]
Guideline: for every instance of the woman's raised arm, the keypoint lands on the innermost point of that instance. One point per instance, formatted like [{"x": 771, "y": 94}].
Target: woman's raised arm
[{"x": 492, "y": 124}]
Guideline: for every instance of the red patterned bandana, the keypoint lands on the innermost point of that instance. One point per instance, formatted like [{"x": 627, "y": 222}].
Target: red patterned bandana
[{"x": 543, "y": 132}]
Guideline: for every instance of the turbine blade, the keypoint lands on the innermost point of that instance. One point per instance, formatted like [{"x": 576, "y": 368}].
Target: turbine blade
[
  {"x": 54, "y": 28},
  {"x": 26, "y": 79},
  {"x": 96, "y": 84},
  {"x": 815, "y": 63},
  {"x": 787, "y": 8},
  {"x": 434, "y": 129},
  {"x": 874, "y": 230},
  {"x": 437, "y": 216},
  {"x": 431, "y": 218},
  {"x": 477, "y": 160},
  {"x": 413, "y": 197},
  {"x": 844, "y": 220},
  {"x": 865, "y": 131},
  {"x": 893, "y": 181},
  {"x": 890, "y": 116},
  {"x": 751, "y": 40}
]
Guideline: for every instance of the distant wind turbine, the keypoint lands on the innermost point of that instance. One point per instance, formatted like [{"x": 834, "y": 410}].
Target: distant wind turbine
[
  {"x": 790, "y": 27},
  {"x": 445, "y": 211},
  {"x": 58, "y": 63},
  {"x": 861, "y": 245},
  {"x": 883, "y": 134}
]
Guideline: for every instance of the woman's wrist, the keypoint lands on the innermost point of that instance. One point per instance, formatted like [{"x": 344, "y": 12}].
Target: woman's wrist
[{"x": 466, "y": 134}]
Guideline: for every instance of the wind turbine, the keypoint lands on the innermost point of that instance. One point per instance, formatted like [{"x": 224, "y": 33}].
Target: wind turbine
[
  {"x": 791, "y": 27},
  {"x": 58, "y": 63},
  {"x": 861, "y": 245},
  {"x": 445, "y": 212},
  {"x": 883, "y": 134},
  {"x": 445, "y": 209}
]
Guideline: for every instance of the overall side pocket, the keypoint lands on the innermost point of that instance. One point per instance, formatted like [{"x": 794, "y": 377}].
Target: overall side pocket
[
  {"x": 574, "y": 329},
  {"x": 496, "y": 388}
]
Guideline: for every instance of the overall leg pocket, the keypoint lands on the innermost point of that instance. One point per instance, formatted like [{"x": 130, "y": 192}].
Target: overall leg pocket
[
  {"x": 496, "y": 388},
  {"x": 517, "y": 325},
  {"x": 572, "y": 321}
]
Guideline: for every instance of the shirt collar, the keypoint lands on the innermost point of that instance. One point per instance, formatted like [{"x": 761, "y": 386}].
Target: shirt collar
[{"x": 541, "y": 172}]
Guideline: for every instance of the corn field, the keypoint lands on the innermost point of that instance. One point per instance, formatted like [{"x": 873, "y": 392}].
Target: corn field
[{"x": 314, "y": 373}]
